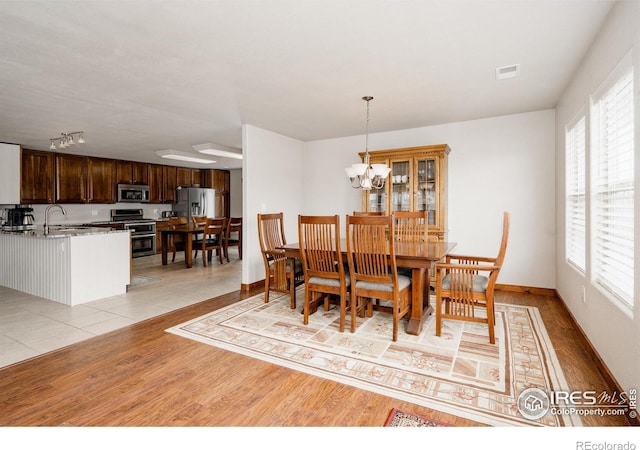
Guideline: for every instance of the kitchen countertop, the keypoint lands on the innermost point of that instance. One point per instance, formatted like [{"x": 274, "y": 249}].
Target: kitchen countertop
[{"x": 62, "y": 231}]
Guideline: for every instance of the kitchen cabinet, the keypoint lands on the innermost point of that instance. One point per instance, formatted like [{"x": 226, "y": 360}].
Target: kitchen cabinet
[
  {"x": 156, "y": 183},
  {"x": 9, "y": 174},
  {"x": 220, "y": 180},
  {"x": 170, "y": 176},
  {"x": 196, "y": 177},
  {"x": 417, "y": 182},
  {"x": 82, "y": 179},
  {"x": 101, "y": 182},
  {"x": 183, "y": 176},
  {"x": 37, "y": 181},
  {"x": 132, "y": 172},
  {"x": 71, "y": 178}
]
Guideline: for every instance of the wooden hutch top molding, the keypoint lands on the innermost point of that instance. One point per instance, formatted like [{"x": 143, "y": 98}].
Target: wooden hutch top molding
[{"x": 413, "y": 152}]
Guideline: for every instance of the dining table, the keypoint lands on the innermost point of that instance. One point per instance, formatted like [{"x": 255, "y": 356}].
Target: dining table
[
  {"x": 419, "y": 257},
  {"x": 186, "y": 231}
]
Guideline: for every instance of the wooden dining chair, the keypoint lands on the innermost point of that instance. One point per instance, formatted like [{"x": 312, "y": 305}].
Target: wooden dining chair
[
  {"x": 281, "y": 273},
  {"x": 176, "y": 243},
  {"x": 368, "y": 213},
  {"x": 322, "y": 263},
  {"x": 212, "y": 239},
  {"x": 234, "y": 236},
  {"x": 200, "y": 222},
  {"x": 373, "y": 268},
  {"x": 465, "y": 283},
  {"x": 413, "y": 226}
]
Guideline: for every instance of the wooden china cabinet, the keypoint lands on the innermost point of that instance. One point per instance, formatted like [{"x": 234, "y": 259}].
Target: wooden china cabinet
[{"x": 417, "y": 182}]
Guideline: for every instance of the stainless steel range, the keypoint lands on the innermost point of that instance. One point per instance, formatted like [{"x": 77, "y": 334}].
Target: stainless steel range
[{"x": 143, "y": 231}]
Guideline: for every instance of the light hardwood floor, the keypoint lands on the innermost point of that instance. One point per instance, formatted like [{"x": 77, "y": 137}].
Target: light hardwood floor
[{"x": 140, "y": 375}]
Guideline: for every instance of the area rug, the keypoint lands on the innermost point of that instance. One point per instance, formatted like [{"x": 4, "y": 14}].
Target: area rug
[
  {"x": 459, "y": 373},
  {"x": 398, "y": 418}
]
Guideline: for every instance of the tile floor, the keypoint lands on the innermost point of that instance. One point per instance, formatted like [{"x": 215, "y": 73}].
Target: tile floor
[{"x": 31, "y": 326}]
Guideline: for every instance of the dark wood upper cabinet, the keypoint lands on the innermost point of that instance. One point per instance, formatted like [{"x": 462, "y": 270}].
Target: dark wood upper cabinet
[
  {"x": 156, "y": 183},
  {"x": 101, "y": 180},
  {"x": 49, "y": 177},
  {"x": 132, "y": 172},
  {"x": 170, "y": 174},
  {"x": 183, "y": 176},
  {"x": 71, "y": 178},
  {"x": 196, "y": 177},
  {"x": 37, "y": 182}
]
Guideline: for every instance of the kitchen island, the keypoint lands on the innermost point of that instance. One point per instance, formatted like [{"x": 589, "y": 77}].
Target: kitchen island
[{"x": 69, "y": 265}]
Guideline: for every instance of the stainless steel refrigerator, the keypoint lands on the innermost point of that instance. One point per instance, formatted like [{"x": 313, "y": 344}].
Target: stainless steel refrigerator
[{"x": 196, "y": 202}]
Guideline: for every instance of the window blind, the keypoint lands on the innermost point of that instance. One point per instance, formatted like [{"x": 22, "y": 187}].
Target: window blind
[
  {"x": 613, "y": 188},
  {"x": 575, "y": 204}
]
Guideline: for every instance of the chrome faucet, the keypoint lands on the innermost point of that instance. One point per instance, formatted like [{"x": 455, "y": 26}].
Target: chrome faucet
[{"x": 46, "y": 216}]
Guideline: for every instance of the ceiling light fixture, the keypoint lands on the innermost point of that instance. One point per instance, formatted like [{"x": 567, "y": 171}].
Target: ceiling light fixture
[
  {"x": 66, "y": 139},
  {"x": 183, "y": 156},
  {"x": 210, "y": 149},
  {"x": 363, "y": 175}
]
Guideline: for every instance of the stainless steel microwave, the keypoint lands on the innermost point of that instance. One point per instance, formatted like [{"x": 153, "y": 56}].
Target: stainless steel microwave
[{"x": 133, "y": 193}]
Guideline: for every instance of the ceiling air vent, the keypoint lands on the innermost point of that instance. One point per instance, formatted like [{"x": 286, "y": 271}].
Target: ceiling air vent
[{"x": 505, "y": 72}]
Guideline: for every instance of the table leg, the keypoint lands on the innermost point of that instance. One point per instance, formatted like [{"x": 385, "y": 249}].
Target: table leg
[
  {"x": 165, "y": 247},
  {"x": 420, "y": 307},
  {"x": 188, "y": 251}
]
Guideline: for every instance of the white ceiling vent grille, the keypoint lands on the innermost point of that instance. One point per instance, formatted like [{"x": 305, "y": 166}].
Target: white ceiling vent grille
[{"x": 505, "y": 72}]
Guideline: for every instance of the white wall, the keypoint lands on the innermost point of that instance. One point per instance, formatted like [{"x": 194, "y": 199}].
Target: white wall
[
  {"x": 614, "y": 334},
  {"x": 495, "y": 165},
  {"x": 272, "y": 182}
]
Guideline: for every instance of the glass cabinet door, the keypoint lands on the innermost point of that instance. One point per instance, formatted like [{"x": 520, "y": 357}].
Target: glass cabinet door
[
  {"x": 401, "y": 179},
  {"x": 426, "y": 189},
  {"x": 378, "y": 200}
]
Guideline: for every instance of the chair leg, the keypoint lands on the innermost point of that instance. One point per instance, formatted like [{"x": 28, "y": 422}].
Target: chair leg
[
  {"x": 491, "y": 323},
  {"x": 343, "y": 312},
  {"x": 307, "y": 303},
  {"x": 292, "y": 289},
  {"x": 266, "y": 287},
  {"x": 438, "y": 316},
  {"x": 354, "y": 312}
]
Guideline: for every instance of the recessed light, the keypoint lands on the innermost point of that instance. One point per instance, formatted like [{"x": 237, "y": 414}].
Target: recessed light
[{"x": 505, "y": 72}]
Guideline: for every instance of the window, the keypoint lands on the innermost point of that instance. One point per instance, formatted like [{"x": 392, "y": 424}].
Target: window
[
  {"x": 575, "y": 194},
  {"x": 613, "y": 184}
]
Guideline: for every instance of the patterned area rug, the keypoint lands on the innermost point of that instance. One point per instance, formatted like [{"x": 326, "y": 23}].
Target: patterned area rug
[
  {"x": 459, "y": 373},
  {"x": 398, "y": 418}
]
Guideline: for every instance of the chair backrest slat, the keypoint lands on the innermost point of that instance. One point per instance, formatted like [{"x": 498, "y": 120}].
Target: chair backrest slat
[
  {"x": 371, "y": 254},
  {"x": 411, "y": 226},
  {"x": 319, "y": 239}
]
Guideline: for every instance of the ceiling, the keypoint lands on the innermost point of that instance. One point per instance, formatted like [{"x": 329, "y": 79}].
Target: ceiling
[{"x": 141, "y": 76}]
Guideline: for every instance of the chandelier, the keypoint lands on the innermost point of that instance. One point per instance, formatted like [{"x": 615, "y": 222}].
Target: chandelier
[
  {"x": 67, "y": 139},
  {"x": 367, "y": 176}
]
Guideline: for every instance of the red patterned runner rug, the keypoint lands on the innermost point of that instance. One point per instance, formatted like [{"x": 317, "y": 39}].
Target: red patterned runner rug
[
  {"x": 398, "y": 418},
  {"x": 459, "y": 373}
]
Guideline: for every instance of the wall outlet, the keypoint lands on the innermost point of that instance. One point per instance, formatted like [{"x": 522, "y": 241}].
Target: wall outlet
[
  {"x": 94, "y": 212},
  {"x": 584, "y": 294}
]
